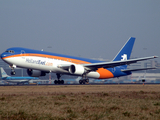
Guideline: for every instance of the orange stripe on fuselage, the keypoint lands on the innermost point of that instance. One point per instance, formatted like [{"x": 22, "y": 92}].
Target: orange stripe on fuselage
[
  {"x": 104, "y": 73},
  {"x": 50, "y": 56}
]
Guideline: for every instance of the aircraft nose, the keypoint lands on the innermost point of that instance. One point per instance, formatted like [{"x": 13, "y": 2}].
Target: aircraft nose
[{"x": 3, "y": 55}]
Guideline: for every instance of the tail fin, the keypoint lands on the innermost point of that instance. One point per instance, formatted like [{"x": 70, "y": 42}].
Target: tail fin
[
  {"x": 3, "y": 73},
  {"x": 125, "y": 51}
]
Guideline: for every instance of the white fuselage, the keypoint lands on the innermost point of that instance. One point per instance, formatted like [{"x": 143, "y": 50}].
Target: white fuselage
[{"x": 44, "y": 64}]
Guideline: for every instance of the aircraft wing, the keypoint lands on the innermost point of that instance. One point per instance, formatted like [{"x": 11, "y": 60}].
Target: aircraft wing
[
  {"x": 95, "y": 66},
  {"x": 128, "y": 70}
]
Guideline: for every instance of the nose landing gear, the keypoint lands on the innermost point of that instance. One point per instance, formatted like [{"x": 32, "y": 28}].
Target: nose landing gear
[
  {"x": 12, "y": 69},
  {"x": 13, "y": 72}
]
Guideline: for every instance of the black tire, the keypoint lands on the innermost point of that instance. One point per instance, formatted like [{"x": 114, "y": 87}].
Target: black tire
[
  {"x": 143, "y": 80},
  {"x": 55, "y": 82},
  {"x": 59, "y": 81},
  {"x": 87, "y": 80},
  {"x": 13, "y": 72},
  {"x": 62, "y": 81},
  {"x": 84, "y": 82},
  {"x": 80, "y": 81}
]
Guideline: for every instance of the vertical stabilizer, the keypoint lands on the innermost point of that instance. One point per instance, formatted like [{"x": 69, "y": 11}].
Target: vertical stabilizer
[
  {"x": 125, "y": 52},
  {"x": 3, "y": 73}
]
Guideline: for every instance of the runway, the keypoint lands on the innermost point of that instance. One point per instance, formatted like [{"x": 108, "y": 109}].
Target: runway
[
  {"x": 82, "y": 84},
  {"x": 124, "y": 100}
]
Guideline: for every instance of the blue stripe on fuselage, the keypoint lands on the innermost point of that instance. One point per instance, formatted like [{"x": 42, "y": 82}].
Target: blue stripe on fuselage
[
  {"x": 19, "y": 78},
  {"x": 19, "y": 50}
]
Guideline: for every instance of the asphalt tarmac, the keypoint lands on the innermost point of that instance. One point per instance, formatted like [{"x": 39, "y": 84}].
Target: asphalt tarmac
[{"x": 83, "y": 84}]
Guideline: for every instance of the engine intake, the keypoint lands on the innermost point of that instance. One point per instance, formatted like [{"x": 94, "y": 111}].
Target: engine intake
[
  {"x": 76, "y": 69},
  {"x": 35, "y": 73}
]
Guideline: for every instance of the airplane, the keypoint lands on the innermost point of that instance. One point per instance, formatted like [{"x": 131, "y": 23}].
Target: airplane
[
  {"x": 141, "y": 79},
  {"x": 18, "y": 80},
  {"x": 38, "y": 63}
]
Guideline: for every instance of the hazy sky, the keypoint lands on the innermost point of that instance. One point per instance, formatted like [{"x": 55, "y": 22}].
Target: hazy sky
[{"x": 85, "y": 28}]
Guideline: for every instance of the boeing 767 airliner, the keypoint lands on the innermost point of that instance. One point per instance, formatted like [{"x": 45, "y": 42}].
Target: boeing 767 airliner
[{"x": 38, "y": 63}]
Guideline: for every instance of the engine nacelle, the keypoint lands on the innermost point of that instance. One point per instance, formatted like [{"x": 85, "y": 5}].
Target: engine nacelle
[
  {"x": 76, "y": 69},
  {"x": 35, "y": 73}
]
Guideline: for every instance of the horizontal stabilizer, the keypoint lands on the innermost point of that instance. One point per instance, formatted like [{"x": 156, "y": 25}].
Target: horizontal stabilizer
[{"x": 139, "y": 69}]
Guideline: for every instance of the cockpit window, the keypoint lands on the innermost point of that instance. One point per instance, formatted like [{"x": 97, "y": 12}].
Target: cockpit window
[{"x": 10, "y": 51}]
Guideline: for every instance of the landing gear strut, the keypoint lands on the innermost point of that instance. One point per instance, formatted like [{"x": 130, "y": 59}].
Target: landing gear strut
[
  {"x": 58, "y": 81},
  {"x": 12, "y": 70},
  {"x": 84, "y": 80}
]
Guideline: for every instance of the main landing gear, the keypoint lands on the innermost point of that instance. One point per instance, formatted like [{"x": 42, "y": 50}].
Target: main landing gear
[
  {"x": 84, "y": 79},
  {"x": 58, "y": 81}
]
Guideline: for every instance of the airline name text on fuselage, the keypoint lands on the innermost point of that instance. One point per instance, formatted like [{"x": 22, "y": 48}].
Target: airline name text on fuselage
[
  {"x": 36, "y": 61},
  {"x": 40, "y": 62}
]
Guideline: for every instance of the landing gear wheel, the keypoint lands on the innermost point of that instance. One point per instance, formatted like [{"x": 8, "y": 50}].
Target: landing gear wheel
[
  {"x": 13, "y": 72},
  {"x": 84, "y": 79},
  {"x": 87, "y": 80},
  {"x": 80, "y": 81},
  {"x": 62, "y": 81},
  {"x": 84, "y": 82},
  {"x": 55, "y": 82},
  {"x": 59, "y": 82}
]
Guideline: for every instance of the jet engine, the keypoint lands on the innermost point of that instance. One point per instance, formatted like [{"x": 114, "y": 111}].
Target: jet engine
[
  {"x": 35, "y": 73},
  {"x": 76, "y": 69}
]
